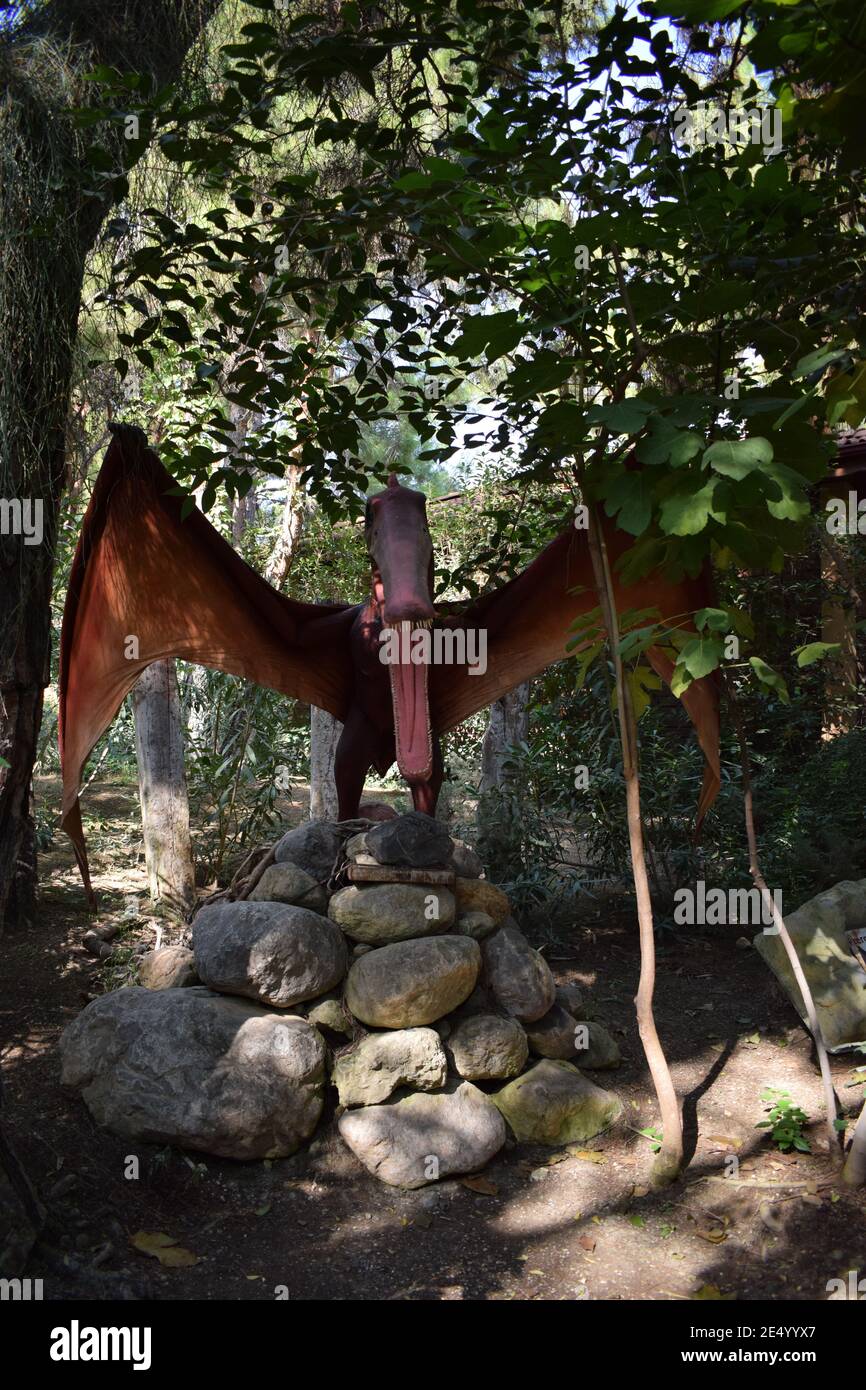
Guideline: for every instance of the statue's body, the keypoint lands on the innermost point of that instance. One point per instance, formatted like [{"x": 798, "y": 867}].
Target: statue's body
[{"x": 146, "y": 585}]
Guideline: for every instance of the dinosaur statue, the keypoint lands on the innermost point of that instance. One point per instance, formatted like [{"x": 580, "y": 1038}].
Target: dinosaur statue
[{"x": 146, "y": 585}]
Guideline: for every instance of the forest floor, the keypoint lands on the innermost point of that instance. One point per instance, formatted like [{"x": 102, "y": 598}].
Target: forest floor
[{"x": 538, "y": 1224}]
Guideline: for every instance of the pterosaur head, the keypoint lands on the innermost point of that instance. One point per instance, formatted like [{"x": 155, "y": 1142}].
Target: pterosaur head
[{"x": 401, "y": 554}]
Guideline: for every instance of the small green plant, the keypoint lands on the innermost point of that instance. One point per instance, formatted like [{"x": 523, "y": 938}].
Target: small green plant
[
  {"x": 785, "y": 1121},
  {"x": 655, "y": 1137}
]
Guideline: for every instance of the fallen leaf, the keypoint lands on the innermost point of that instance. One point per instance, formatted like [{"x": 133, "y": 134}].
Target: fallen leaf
[
  {"x": 712, "y": 1292},
  {"x": 587, "y": 1243},
  {"x": 586, "y": 1155},
  {"x": 725, "y": 1141},
  {"x": 556, "y": 1158},
  {"x": 263, "y": 1211},
  {"x": 640, "y": 1192},
  {"x": 163, "y": 1248},
  {"x": 714, "y": 1234},
  {"x": 482, "y": 1185},
  {"x": 636, "y": 1220}
]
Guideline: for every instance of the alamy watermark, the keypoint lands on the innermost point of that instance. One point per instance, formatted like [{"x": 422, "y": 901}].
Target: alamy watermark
[
  {"x": 712, "y": 907},
  {"x": 22, "y": 517},
  {"x": 406, "y": 645},
  {"x": 708, "y": 124},
  {"x": 846, "y": 516}
]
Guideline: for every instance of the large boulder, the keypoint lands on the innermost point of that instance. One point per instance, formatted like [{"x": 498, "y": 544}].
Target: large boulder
[
  {"x": 553, "y": 1103},
  {"x": 171, "y": 967},
  {"x": 413, "y": 841},
  {"x": 838, "y": 983},
  {"x": 487, "y": 1047},
  {"x": 477, "y": 895},
  {"x": 380, "y": 913},
  {"x": 368, "y": 1073},
  {"x": 196, "y": 1069},
  {"x": 422, "y": 1138},
  {"x": 289, "y": 883},
  {"x": 518, "y": 976},
  {"x": 412, "y": 983},
  {"x": 313, "y": 846},
  {"x": 278, "y": 954}
]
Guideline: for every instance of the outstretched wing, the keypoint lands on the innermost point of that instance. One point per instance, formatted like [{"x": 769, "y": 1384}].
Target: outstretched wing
[
  {"x": 146, "y": 585},
  {"x": 527, "y": 623}
]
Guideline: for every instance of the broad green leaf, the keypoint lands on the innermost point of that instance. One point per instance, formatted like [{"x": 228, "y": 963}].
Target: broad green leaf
[
  {"x": 630, "y": 498},
  {"x": 767, "y": 676},
  {"x": 815, "y": 651},
  {"x": 686, "y": 512},
  {"x": 736, "y": 458}
]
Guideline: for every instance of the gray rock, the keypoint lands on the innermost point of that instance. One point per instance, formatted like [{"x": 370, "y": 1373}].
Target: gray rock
[
  {"x": 517, "y": 975},
  {"x": 415, "y": 841},
  {"x": 487, "y": 1047},
  {"x": 384, "y": 912},
  {"x": 412, "y": 983},
  {"x": 289, "y": 883},
  {"x": 268, "y": 951},
  {"x": 553, "y": 1034},
  {"x": 570, "y": 997},
  {"x": 312, "y": 846},
  {"x": 355, "y": 848},
  {"x": 818, "y": 930},
  {"x": 595, "y": 1047},
  {"x": 368, "y": 1073},
  {"x": 464, "y": 860},
  {"x": 480, "y": 1001},
  {"x": 187, "y": 1067},
  {"x": 422, "y": 1138},
  {"x": 554, "y": 1104},
  {"x": 478, "y": 925},
  {"x": 171, "y": 967},
  {"x": 360, "y": 949},
  {"x": 329, "y": 1013}
]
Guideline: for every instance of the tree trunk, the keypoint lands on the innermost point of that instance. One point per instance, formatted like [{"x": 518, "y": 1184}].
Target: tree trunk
[
  {"x": 669, "y": 1161},
  {"x": 162, "y": 788},
  {"x": 499, "y": 819},
  {"x": 49, "y": 220},
  {"x": 508, "y": 724},
  {"x": 854, "y": 1171},
  {"x": 292, "y": 524},
  {"x": 325, "y": 731}
]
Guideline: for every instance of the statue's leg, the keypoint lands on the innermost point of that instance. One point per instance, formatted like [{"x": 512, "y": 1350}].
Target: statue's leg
[
  {"x": 426, "y": 794},
  {"x": 357, "y": 750}
]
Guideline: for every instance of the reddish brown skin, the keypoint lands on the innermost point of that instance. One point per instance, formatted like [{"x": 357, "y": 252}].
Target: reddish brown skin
[
  {"x": 401, "y": 554},
  {"x": 143, "y": 567}
]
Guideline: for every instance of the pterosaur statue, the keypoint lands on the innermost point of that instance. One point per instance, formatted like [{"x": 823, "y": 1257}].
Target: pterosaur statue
[{"x": 146, "y": 585}]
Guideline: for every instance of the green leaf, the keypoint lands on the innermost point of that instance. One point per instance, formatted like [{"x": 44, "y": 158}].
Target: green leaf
[
  {"x": 736, "y": 458},
  {"x": 701, "y": 655},
  {"x": 767, "y": 676},
  {"x": 815, "y": 651},
  {"x": 686, "y": 511},
  {"x": 818, "y": 360},
  {"x": 630, "y": 498}
]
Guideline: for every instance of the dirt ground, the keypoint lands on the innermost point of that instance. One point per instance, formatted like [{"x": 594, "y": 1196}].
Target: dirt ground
[{"x": 540, "y": 1224}]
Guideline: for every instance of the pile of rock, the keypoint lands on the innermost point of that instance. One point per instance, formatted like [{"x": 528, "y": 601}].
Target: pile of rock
[{"x": 410, "y": 986}]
